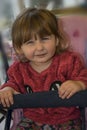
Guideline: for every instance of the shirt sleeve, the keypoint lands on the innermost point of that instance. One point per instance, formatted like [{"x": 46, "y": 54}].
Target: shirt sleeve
[
  {"x": 15, "y": 79},
  {"x": 76, "y": 68}
]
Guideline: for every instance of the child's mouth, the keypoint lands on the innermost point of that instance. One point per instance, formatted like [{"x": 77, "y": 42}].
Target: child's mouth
[{"x": 41, "y": 55}]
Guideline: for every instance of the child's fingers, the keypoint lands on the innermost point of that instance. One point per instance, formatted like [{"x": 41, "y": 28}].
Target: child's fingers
[
  {"x": 67, "y": 93},
  {"x": 9, "y": 100},
  {"x": 70, "y": 94},
  {"x": 3, "y": 102},
  {"x": 6, "y": 100},
  {"x": 61, "y": 92}
]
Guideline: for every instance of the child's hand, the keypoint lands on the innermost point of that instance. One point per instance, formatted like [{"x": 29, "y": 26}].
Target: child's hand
[
  {"x": 69, "y": 88},
  {"x": 6, "y": 96}
]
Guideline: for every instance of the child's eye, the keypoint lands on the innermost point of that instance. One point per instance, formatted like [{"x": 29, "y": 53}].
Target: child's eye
[
  {"x": 29, "y": 42},
  {"x": 45, "y": 38}
]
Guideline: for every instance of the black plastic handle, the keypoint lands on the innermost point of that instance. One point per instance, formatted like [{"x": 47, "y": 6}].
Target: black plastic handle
[{"x": 48, "y": 99}]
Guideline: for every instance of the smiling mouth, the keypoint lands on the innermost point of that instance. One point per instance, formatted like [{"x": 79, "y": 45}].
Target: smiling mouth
[{"x": 41, "y": 55}]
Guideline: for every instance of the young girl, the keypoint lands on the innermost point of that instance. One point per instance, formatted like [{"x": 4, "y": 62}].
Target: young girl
[{"x": 44, "y": 59}]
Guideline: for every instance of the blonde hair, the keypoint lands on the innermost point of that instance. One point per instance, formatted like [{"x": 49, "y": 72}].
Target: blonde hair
[{"x": 32, "y": 22}]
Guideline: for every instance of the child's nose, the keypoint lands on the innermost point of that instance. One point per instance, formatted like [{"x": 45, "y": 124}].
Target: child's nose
[{"x": 39, "y": 46}]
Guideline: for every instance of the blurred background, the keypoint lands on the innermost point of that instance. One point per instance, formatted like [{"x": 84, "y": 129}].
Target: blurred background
[{"x": 9, "y": 9}]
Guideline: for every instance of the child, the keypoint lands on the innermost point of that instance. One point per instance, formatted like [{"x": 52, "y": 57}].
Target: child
[{"x": 44, "y": 59}]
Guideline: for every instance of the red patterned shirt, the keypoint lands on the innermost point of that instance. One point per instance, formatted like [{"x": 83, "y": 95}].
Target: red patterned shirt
[{"x": 67, "y": 66}]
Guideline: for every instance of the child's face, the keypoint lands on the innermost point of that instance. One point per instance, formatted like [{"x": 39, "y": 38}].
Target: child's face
[{"x": 40, "y": 50}]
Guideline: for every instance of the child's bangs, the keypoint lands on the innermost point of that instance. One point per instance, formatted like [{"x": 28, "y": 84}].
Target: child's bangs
[
  {"x": 40, "y": 31},
  {"x": 36, "y": 28}
]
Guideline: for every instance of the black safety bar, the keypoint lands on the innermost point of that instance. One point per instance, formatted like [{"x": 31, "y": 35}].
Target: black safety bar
[{"x": 44, "y": 99}]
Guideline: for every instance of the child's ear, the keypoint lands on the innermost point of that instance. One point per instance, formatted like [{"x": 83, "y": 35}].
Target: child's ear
[{"x": 19, "y": 51}]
